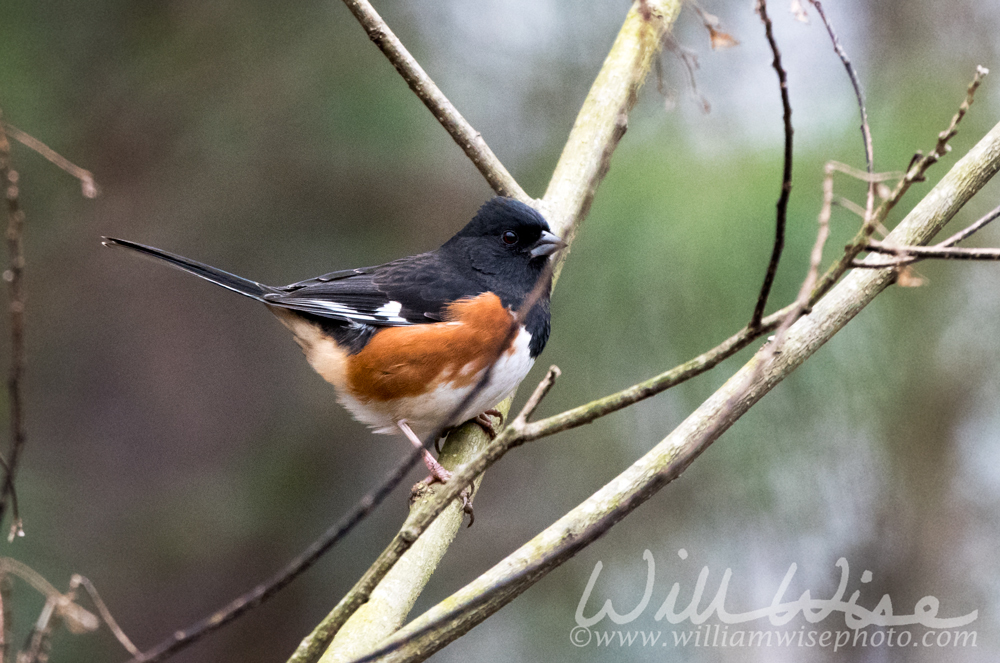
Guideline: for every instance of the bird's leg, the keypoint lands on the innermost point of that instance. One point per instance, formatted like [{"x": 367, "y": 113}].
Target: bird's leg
[{"x": 438, "y": 473}]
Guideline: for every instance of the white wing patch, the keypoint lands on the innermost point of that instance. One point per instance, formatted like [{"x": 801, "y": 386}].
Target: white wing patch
[
  {"x": 333, "y": 307},
  {"x": 388, "y": 313}
]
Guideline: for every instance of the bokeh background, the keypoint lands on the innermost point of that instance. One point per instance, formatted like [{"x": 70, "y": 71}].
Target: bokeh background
[{"x": 181, "y": 450}]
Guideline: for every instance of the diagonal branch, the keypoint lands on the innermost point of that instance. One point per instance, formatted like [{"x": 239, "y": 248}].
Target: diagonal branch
[
  {"x": 603, "y": 118},
  {"x": 470, "y": 140},
  {"x": 87, "y": 184}
]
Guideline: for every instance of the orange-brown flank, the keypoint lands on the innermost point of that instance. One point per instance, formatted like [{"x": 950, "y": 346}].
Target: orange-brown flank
[{"x": 409, "y": 361}]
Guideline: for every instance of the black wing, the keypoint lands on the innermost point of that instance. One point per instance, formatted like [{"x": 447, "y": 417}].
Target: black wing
[{"x": 408, "y": 291}]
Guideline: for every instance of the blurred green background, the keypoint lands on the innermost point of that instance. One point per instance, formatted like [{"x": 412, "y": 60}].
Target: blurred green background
[{"x": 181, "y": 450}]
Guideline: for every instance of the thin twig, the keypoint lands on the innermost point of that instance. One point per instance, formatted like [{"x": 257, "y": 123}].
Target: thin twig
[
  {"x": 786, "y": 173},
  {"x": 536, "y": 396},
  {"x": 16, "y": 525},
  {"x": 102, "y": 609},
  {"x": 244, "y": 603},
  {"x": 62, "y": 607},
  {"x": 915, "y": 173},
  {"x": 989, "y": 217},
  {"x": 944, "y": 253},
  {"x": 909, "y": 256},
  {"x": 463, "y": 133},
  {"x": 87, "y": 183},
  {"x": 866, "y": 133},
  {"x": 689, "y": 60},
  {"x": 764, "y": 358},
  {"x": 14, "y": 277},
  {"x": 3, "y": 621}
]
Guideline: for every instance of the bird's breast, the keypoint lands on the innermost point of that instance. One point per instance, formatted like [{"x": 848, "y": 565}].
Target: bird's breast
[{"x": 401, "y": 362}]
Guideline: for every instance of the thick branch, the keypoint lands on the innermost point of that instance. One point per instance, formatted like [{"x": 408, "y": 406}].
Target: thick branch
[
  {"x": 396, "y": 587},
  {"x": 603, "y": 118}
]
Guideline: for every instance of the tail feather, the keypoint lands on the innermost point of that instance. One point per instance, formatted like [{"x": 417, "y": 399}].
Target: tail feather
[{"x": 232, "y": 282}]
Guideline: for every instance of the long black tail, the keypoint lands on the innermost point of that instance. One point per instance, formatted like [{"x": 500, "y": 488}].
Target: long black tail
[{"x": 225, "y": 279}]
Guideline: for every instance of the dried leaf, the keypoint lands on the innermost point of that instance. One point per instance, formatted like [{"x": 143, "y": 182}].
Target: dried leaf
[
  {"x": 720, "y": 39},
  {"x": 907, "y": 277}
]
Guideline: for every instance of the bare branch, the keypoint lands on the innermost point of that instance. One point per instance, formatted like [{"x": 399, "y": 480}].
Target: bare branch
[
  {"x": 689, "y": 60},
  {"x": 911, "y": 256},
  {"x": 915, "y": 173},
  {"x": 540, "y": 392},
  {"x": 989, "y": 217},
  {"x": 786, "y": 173},
  {"x": 14, "y": 275},
  {"x": 87, "y": 183},
  {"x": 945, "y": 253},
  {"x": 866, "y": 133},
  {"x": 81, "y": 581},
  {"x": 463, "y": 133}
]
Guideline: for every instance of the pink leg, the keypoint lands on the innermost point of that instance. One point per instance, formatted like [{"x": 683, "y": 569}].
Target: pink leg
[{"x": 437, "y": 472}]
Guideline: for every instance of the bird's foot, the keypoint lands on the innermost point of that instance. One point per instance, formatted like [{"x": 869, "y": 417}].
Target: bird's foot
[{"x": 483, "y": 421}]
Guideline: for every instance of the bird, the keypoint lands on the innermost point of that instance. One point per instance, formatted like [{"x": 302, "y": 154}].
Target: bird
[{"x": 405, "y": 343}]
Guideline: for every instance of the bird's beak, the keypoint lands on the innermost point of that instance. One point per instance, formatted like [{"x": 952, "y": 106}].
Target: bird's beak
[{"x": 546, "y": 245}]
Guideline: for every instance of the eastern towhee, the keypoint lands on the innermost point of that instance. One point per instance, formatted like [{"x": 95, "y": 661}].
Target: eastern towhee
[{"x": 405, "y": 342}]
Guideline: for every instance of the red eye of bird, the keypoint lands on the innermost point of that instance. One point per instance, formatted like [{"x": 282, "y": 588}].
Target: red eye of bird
[{"x": 509, "y": 237}]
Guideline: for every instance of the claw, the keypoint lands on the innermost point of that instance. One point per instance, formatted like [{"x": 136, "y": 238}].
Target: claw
[
  {"x": 484, "y": 422},
  {"x": 466, "y": 496}
]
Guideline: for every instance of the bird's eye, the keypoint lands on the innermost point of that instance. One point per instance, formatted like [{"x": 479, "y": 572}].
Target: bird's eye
[{"x": 509, "y": 237}]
